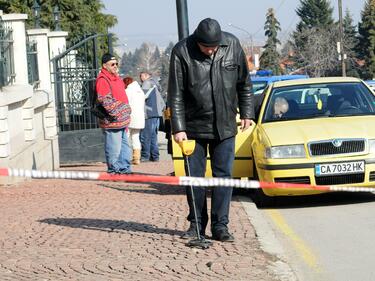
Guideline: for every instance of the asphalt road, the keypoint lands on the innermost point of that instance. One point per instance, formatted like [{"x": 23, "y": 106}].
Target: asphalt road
[{"x": 327, "y": 237}]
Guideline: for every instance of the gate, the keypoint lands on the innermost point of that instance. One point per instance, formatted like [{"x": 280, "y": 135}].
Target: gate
[
  {"x": 7, "y": 74},
  {"x": 74, "y": 73}
]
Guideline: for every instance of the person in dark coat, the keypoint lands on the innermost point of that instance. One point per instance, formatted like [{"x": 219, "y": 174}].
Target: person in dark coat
[
  {"x": 208, "y": 82},
  {"x": 154, "y": 106}
]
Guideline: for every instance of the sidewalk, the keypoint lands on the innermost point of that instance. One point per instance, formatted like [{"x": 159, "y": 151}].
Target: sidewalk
[{"x": 85, "y": 230}]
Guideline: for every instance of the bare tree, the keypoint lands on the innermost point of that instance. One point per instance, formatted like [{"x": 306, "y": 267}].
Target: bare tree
[
  {"x": 146, "y": 58},
  {"x": 318, "y": 55}
]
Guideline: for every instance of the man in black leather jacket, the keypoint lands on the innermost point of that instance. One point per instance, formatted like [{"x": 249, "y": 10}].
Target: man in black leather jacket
[{"x": 208, "y": 82}]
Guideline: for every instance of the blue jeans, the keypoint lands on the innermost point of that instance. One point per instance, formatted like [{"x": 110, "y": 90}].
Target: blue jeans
[
  {"x": 117, "y": 151},
  {"x": 149, "y": 140},
  {"x": 222, "y": 157}
]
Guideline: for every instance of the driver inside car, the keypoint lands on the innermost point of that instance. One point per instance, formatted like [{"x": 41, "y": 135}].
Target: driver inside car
[{"x": 280, "y": 107}]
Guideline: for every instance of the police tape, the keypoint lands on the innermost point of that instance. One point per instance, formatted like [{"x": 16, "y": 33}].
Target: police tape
[{"x": 172, "y": 180}]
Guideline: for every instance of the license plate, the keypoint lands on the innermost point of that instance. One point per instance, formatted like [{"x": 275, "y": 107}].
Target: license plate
[{"x": 340, "y": 168}]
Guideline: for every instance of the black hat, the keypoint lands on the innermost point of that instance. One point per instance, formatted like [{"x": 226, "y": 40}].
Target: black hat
[
  {"x": 107, "y": 57},
  {"x": 208, "y": 33}
]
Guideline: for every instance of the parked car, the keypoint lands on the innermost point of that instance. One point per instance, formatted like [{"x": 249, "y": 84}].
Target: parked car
[
  {"x": 371, "y": 83},
  {"x": 326, "y": 137},
  {"x": 260, "y": 81}
]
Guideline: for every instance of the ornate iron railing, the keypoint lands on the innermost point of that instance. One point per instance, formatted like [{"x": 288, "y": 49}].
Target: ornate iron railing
[
  {"x": 7, "y": 74},
  {"x": 73, "y": 75}
]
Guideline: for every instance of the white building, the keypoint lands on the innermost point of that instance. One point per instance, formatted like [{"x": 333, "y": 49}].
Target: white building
[{"x": 28, "y": 132}]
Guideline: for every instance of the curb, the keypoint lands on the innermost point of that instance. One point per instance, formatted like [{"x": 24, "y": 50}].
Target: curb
[{"x": 268, "y": 241}]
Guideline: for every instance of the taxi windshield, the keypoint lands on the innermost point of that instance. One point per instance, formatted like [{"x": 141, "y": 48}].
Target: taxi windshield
[{"x": 319, "y": 100}]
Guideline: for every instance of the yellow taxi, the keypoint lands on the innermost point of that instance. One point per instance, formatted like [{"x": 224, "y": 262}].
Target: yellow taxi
[{"x": 318, "y": 131}]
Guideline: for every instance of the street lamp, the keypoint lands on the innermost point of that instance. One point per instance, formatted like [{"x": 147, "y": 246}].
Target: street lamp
[
  {"x": 182, "y": 19},
  {"x": 110, "y": 42},
  {"x": 125, "y": 45},
  {"x": 36, "y": 13},
  {"x": 56, "y": 17},
  {"x": 248, "y": 33}
]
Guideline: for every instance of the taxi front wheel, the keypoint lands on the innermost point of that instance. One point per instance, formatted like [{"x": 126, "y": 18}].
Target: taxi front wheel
[
  {"x": 264, "y": 201},
  {"x": 259, "y": 197}
]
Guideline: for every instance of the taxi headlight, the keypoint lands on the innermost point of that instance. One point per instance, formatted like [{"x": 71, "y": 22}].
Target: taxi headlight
[
  {"x": 286, "y": 151},
  {"x": 371, "y": 146}
]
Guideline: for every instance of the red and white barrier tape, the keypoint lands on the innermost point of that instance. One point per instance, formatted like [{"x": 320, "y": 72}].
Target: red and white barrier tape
[{"x": 171, "y": 180}]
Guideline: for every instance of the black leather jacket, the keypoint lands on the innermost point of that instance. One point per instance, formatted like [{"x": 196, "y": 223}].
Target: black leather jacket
[{"x": 204, "y": 94}]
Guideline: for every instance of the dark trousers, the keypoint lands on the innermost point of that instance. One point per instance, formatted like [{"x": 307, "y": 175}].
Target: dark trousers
[
  {"x": 149, "y": 139},
  {"x": 222, "y": 157}
]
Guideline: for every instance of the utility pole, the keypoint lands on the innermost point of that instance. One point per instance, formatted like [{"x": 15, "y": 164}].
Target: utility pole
[
  {"x": 182, "y": 19},
  {"x": 342, "y": 56}
]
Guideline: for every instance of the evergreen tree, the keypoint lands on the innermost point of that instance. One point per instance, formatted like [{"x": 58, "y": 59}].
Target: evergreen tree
[
  {"x": 144, "y": 59},
  {"x": 316, "y": 20},
  {"x": 314, "y": 13},
  {"x": 350, "y": 31},
  {"x": 77, "y": 17},
  {"x": 350, "y": 43},
  {"x": 366, "y": 45},
  {"x": 169, "y": 48},
  {"x": 164, "y": 71},
  {"x": 16, "y": 6},
  {"x": 270, "y": 58},
  {"x": 127, "y": 65},
  {"x": 155, "y": 61}
]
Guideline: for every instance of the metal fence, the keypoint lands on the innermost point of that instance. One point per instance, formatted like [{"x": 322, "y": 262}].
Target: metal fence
[
  {"x": 73, "y": 76},
  {"x": 32, "y": 63},
  {"x": 7, "y": 74}
]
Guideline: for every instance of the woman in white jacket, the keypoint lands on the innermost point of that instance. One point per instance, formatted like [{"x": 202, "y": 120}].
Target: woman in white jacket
[{"x": 136, "y": 98}]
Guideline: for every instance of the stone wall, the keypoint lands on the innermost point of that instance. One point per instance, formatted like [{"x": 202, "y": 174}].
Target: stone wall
[{"x": 28, "y": 131}]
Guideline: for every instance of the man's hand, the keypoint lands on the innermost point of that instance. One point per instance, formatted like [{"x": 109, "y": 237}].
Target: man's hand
[
  {"x": 180, "y": 136},
  {"x": 246, "y": 123}
]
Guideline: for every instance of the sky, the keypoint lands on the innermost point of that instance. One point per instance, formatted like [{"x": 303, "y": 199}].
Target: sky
[{"x": 155, "y": 21}]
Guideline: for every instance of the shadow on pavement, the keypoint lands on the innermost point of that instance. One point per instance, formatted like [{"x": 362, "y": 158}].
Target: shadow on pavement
[
  {"x": 153, "y": 188},
  {"x": 320, "y": 200},
  {"x": 110, "y": 225}
]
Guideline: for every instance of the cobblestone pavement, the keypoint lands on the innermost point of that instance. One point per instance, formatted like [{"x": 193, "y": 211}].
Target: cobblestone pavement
[{"x": 85, "y": 230}]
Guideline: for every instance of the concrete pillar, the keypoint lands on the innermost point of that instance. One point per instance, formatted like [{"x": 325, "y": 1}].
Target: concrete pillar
[
  {"x": 57, "y": 45},
  {"x": 28, "y": 119},
  {"x": 17, "y": 22},
  {"x": 4, "y": 132},
  {"x": 57, "y": 42},
  {"x": 40, "y": 36},
  {"x": 49, "y": 119}
]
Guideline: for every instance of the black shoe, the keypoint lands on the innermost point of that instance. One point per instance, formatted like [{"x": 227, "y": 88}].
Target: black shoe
[
  {"x": 124, "y": 172},
  {"x": 191, "y": 233},
  {"x": 222, "y": 235}
]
